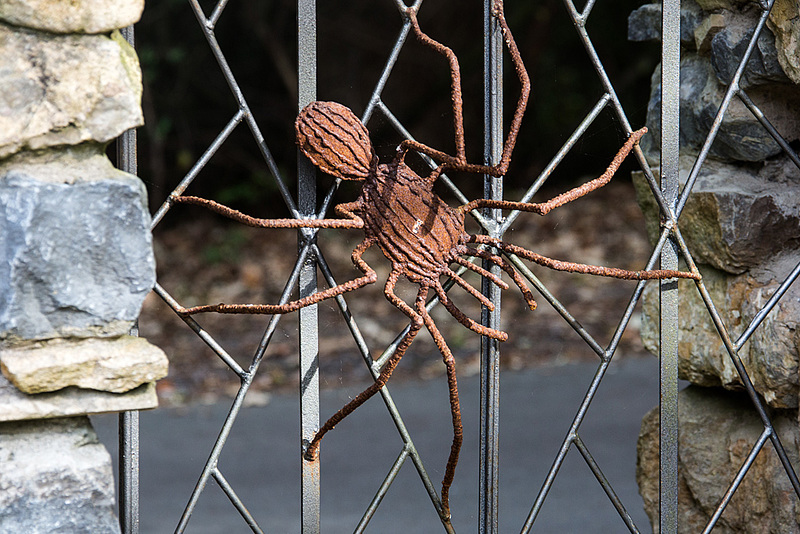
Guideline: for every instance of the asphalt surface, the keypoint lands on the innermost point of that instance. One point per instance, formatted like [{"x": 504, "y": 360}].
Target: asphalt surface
[{"x": 261, "y": 457}]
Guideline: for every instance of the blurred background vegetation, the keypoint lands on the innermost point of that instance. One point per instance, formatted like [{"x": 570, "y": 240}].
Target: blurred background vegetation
[{"x": 187, "y": 101}]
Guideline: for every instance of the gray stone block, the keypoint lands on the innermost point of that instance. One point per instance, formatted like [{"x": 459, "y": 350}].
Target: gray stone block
[
  {"x": 72, "y": 16},
  {"x": 783, "y": 21},
  {"x": 18, "y": 406},
  {"x": 771, "y": 355},
  {"x": 644, "y": 23},
  {"x": 736, "y": 218},
  {"x": 117, "y": 364},
  {"x": 717, "y": 431},
  {"x": 741, "y": 137},
  {"x": 56, "y": 478},
  {"x": 65, "y": 89},
  {"x": 75, "y": 257},
  {"x": 728, "y": 47}
]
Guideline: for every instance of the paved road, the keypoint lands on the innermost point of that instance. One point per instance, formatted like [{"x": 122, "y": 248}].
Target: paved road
[{"x": 260, "y": 459}]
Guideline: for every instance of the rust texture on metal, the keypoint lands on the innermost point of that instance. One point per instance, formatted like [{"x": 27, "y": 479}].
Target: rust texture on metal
[{"x": 420, "y": 234}]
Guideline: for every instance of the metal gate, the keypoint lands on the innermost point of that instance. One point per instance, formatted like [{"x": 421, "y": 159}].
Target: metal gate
[{"x": 670, "y": 247}]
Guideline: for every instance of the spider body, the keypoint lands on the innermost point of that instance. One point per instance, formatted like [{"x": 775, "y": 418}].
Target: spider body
[
  {"x": 415, "y": 229},
  {"x": 419, "y": 233}
]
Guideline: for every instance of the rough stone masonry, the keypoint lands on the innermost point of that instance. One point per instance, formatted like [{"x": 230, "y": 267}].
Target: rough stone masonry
[
  {"x": 742, "y": 225},
  {"x": 76, "y": 260}
]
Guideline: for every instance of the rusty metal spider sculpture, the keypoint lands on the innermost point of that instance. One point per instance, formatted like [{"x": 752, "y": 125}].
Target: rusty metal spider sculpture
[{"x": 416, "y": 230}]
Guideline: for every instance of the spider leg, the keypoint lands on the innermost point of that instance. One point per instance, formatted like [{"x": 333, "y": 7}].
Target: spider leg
[
  {"x": 568, "y": 266},
  {"x": 503, "y": 264},
  {"x": 455, "y": 408},
  {"x": 352, "y": 221},
  {"x": 312, "y": 450},
  {"x": 469, "y": 289},
  {"x": 462, "y": 318},
  {"x": 267, "y": 309},
  {"x": 575, "y": 193},
  {"x": 480, "y": 270},
  {"x": 459, "y": 162}
]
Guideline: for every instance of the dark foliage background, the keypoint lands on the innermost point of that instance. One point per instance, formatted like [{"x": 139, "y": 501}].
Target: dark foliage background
[{"x": 187, "y": 101}]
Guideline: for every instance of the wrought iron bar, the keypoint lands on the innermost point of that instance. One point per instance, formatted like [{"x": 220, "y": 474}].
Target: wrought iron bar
[
  {"x": 128, "y": 421},
  {"x": 771, "y": 303},
  {"x": 567, "y": 443},
  {"x": 211, "y": 463},
  {"x": 308, "y": 321},
  {"x": 733, "y": 88},
  {"x": 208, "y": 32},
  {"x": 668, "y": 289},
  {"x": 374, "y": 367},
  {"x": 129, "y": 511},
  {"x": 765, "y": 435},
  {"x": 605, "y": 484},
  {"x": 236, "y": 501},
  {"x": 749, "y": 387},
  {"x": 557, "y": 159},
  {"x": 198, "y": 166},
  {"x": 376, "y": 501},
  {"x": 488, "y": 474},
  {"x": 765, "y": 122}
]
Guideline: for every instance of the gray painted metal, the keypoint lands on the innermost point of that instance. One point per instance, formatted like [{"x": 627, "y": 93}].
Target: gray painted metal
[
  {"x": 669, "y": 248},
  {"x": 668, "y": 289},
  {"x": 488, "y": 475},
  {"x": 128, "y": 421},
  {"x": 308, "y": 317}
]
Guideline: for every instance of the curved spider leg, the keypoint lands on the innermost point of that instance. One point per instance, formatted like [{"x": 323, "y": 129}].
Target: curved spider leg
[
  {"x": 353, "y": 220},
  {"x": 508, "y": 268},
  {"x": 462, "y": 318},
  {"x": 416, "y": 324},
  {"x": 459, "y": 162},
  {"x": 544, "y": 207},
  {"x": 568, "y": 266},
  {"x": 468, "y": 288},
  {"x": 455, "y": 95},
  {"x": 266, "y": 309},
  {"x": 480, "y": 270},
  {"x": 525, "y": 91},
  {"x": 455, "y": 407}
]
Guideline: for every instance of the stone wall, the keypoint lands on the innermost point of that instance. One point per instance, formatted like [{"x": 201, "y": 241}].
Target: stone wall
[
  {"x": 75, "y": 259},
  {"x": 742, "y": 225}
]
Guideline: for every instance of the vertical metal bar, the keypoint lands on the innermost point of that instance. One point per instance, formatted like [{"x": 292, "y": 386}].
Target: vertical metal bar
[
  {"x": 129, "y": 472},
  {"x": 128, "y": 421},
  {"x": 668, "y": 294},
  {"x": 490, "y": 352},
  {"x": 308, "y": 319}
]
